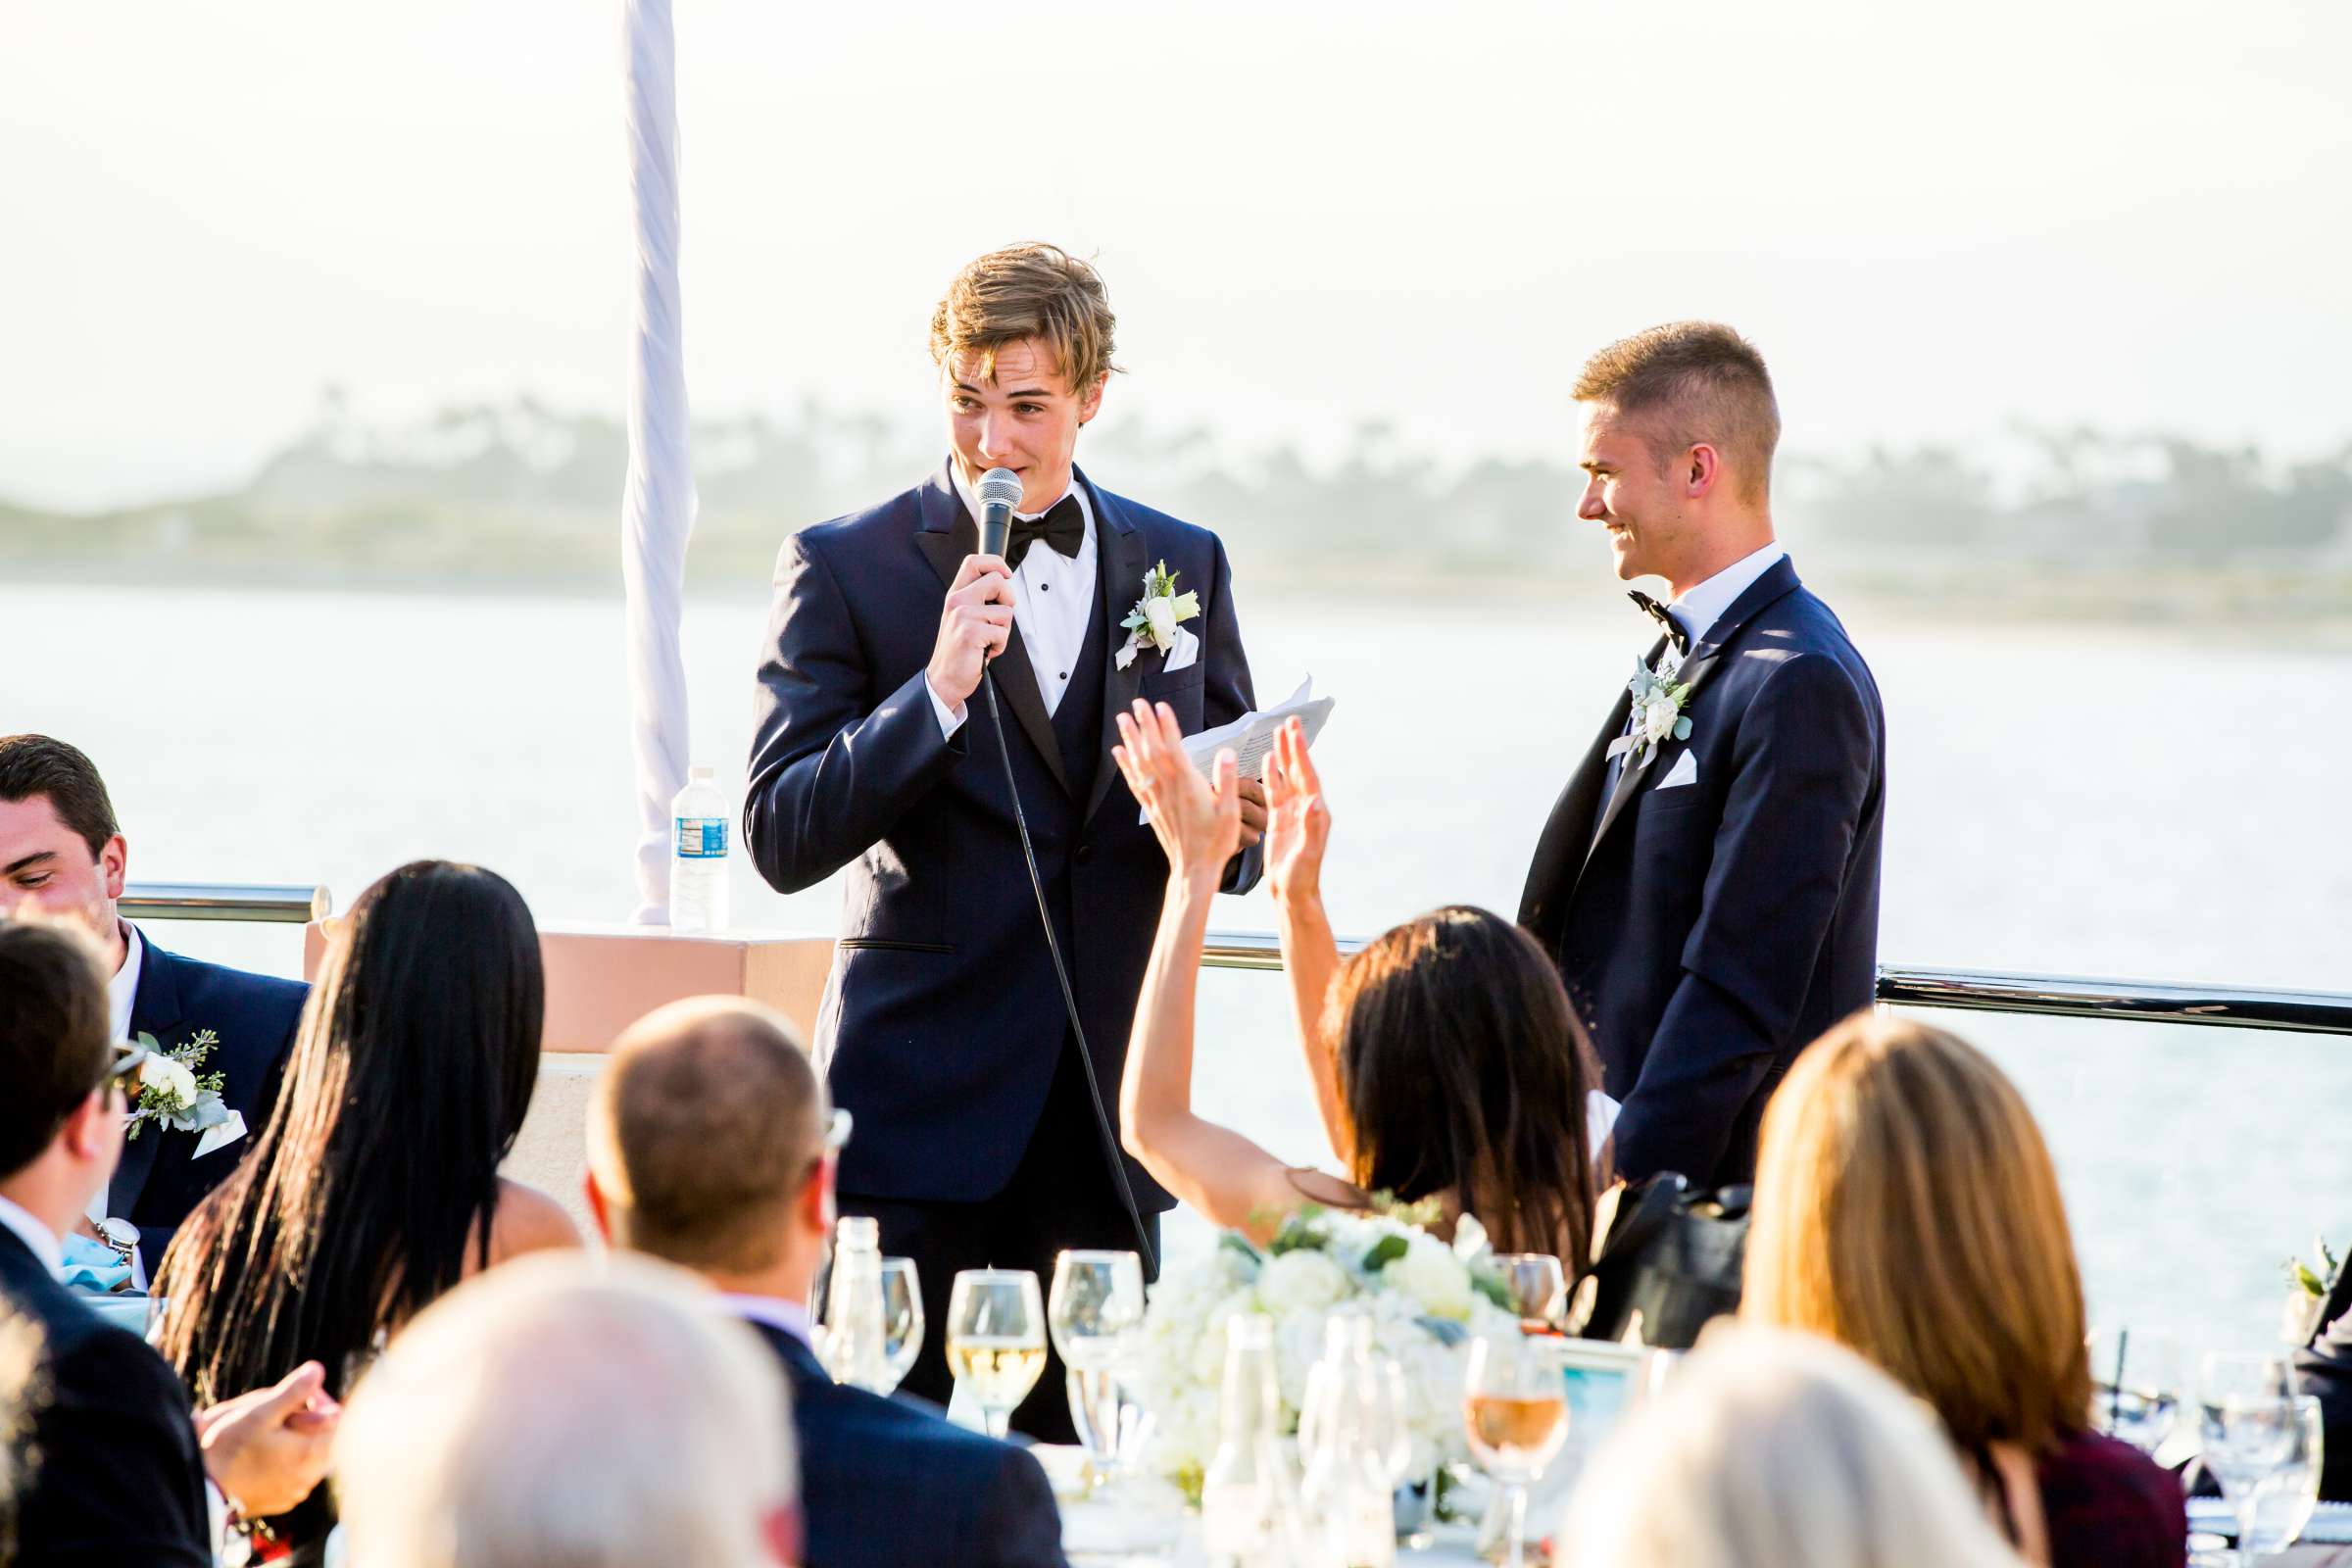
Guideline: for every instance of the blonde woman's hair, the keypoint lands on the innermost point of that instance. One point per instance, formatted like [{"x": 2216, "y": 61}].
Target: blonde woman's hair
[
  {"x": 1767, "y": 1450},
  {"x": 568, "y": 1409},
  {"x": 1906, "y": 1208},
  {"x": 1028, "y": 291}
]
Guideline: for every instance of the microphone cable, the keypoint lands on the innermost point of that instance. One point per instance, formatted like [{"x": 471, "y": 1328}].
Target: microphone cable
[{"x": 1070, "y": 1002}]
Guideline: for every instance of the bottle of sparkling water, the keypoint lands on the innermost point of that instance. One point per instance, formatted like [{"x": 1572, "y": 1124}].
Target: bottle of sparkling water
[
  {"x": 854, "y": 1349},
  {"x": 1249, "y": 1499},
  {"x": 698, "y": 856}
]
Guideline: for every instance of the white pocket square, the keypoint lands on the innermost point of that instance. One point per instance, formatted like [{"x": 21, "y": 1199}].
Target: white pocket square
[
  {"x": 1184, "y": 655},
  {"x": 1683, "y": 772},
  {"x": 221, "y": 1135}
]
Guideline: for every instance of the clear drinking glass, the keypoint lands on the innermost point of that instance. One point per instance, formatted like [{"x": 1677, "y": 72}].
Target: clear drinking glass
[
  {"x": 2249, "y": 1429},
  {"x": 1096, "y": 1307},
  {"x": 2136, "y": 1384},
  {"x": 996, "y": 1339},
  {"x": 2281, "y": 1506},
  {"x": 902, "y": 1318},
  {"x": 1515, "y": 1411},
  {"x": 1538, "y": 1287}
]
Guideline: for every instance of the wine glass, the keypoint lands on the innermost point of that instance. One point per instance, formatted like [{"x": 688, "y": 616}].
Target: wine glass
[
  {"x": 996, "y": 1339},
  {"x": 902, "y": 1319},
  {"x": 1515, "y": 1412},
  {"x": 2247, "y": 1426},
  {"x": 1538, "y": 1288},
  {"x": 1096, "y": 1307},
  {"x": 2282, "y": 1504},
  {"x": 2135, "y": 1385}
]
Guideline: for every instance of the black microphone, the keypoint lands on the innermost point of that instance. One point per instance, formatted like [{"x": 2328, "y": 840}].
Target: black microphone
[{"x": 1000, "y": 492}]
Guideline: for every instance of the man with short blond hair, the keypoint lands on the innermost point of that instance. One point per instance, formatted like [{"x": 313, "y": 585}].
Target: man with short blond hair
[
  {"x": 981, "y": 1141},
  {"x": 1708, "y": 881},
  {"x": 711, "y": 1146}
]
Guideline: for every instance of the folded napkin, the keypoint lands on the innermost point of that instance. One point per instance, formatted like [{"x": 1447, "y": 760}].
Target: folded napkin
[{"x": 92, "y": 1267}]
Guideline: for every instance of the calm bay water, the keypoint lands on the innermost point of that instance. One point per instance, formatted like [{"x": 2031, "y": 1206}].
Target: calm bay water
[{"x": 2155, "y": 804}]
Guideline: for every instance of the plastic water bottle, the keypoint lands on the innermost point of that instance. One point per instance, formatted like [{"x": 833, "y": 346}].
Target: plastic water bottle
[{"x": 698, "y": 856}]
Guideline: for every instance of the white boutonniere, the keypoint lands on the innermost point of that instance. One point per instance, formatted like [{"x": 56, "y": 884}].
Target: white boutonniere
[
  {"x": 178, "y": 1099},
  {"x": 1658, "y": 700},
  {"x": 1154, "y": 620}
]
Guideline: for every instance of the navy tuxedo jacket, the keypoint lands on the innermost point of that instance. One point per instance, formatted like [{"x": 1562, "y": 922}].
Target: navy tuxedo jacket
[
  {"x": 1708, "y": 931},
  {"x": 885, "y": 1482},
  {"x": 942, "y": 1019},
  {"x": 160, "y": 1181},
  {"x": 113, "y": 1475}
]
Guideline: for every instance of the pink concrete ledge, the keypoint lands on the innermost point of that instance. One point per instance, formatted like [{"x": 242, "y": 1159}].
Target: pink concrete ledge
[{"x": 601, "y": 978}]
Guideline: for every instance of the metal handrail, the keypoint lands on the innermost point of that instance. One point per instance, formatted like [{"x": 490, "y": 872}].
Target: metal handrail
[
  {"x": 267, "y": 904},
  {"x": 2324, "y": 1012}
]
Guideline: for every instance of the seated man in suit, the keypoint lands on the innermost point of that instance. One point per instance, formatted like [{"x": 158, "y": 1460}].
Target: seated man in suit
[
  {"x": 60, "y": 849},
  {"x": 708, "y": 1147},
  {"x": 110, "y": 1467}
]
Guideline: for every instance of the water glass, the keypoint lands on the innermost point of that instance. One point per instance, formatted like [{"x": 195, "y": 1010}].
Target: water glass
[
  {"x": 1538, "y": 1288},
  {"x": 996, "y": 1339},
  {"x": 2135, "y": 1385},
  {"x": 902, "y": 1319},
  {"x": 1515, "y": 1413},
  {"x": 2248, "y": 1440},
  {"x": 2280, "y": 1506},
  {"x": 1095, "y": 1310}
]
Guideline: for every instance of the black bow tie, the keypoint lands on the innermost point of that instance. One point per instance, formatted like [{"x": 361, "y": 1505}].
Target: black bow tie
[
  {"x": 1655, "y": 612},
  {"x": 1063, "y": 527}
]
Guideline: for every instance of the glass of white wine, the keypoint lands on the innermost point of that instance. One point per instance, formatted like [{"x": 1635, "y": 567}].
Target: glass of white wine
[
  {"x": 1538, "y": 1288},
  {"x": 1515, "y": 1412},
  {"x": 996, "y": 1339},
  {"x": 902, "y": 1318}
]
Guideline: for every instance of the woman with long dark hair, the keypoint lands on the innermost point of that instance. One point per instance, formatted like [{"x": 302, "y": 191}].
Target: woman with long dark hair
[
  {"x": 373, "y": 1189},
  {"x": 1447, "y": 1060}
]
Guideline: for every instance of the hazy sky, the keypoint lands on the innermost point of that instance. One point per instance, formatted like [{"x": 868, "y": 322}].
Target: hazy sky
[{"x": 1930, "y": 218}]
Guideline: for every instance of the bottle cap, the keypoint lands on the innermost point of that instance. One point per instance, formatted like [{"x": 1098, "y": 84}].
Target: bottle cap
[{"x": 862, "y": 1231}]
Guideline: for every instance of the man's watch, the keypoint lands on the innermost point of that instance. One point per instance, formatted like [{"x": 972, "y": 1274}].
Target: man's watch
[{"x": 119, "y": 1234}]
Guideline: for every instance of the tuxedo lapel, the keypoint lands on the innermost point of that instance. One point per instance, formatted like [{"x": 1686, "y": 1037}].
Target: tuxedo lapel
[
  {"x": 155, "y": 1009},
  {"x": 948, "y": 534},
  {"x": 1630, "y": 776},
  {"x": 1124, "y": 555},
  {"x": 1568, "y": 832},
  {"x": 1778, "y": 579}
]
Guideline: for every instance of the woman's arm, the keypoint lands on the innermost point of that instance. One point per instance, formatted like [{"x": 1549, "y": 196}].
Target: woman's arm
[
  {"x": 1297, "y": 829},
  {"x": 1224, "y": 1175}
]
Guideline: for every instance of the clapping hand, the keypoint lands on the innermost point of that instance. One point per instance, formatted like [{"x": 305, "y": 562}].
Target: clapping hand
[
  {"x": 267, "y": 1449},
  {"x": 1298, "y": 822},
  {"x": 1199, "y": 822}
]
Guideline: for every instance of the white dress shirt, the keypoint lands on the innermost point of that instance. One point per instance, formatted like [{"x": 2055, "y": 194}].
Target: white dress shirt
[
  {"x": 123, "y": 989},
  {"x": 1697, "y": 611},
  {"x": 1053, "y": 599},
  {"x": 773, "y": 1310},
  {"x": 33, "y": 1234}
]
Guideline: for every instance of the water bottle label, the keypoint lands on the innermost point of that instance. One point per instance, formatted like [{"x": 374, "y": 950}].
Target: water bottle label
[{"x": 702, "y": 838}]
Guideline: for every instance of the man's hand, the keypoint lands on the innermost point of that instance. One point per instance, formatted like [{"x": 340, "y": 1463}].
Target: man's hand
[
  {"x": 267, "y": 1450},
  {"x": 974, "y": 625},
  {"x": 1253, "y": 812}
]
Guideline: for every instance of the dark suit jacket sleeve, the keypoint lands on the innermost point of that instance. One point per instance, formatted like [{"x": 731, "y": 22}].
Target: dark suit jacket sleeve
[
  {"x": 120, "y": 1479},
  {"x": 1229, "y": 695},
  {"x": 1803, "y": 769},
  {"x": 1019, "y": 1524},
  {"x": 830, "y": 773}
]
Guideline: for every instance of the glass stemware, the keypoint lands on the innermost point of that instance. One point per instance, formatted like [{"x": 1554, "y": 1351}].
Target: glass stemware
[
  {"x": 996, "y": 1339},
  {"x": 2280, "y": 1505},
  {"x": 2135, "y": 1385},
  {"x": 1538, "y": 1288},
  {"x": 2249, "y": 1428},
  {"x": 1515, "y": 1413},
  {"x": 1096, "y": 1307},
  {"x": 902, "y": 1320}
]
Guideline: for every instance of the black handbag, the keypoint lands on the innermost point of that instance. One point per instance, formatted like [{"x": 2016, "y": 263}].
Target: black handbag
[{"x": 1669, "y": 1263}]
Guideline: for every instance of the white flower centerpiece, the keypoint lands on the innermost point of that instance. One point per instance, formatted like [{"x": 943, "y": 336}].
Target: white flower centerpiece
[{"x": 1426, "y": 1301}]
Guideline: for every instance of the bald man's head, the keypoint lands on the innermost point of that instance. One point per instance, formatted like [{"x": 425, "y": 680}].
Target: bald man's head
[{"x": 706, "y": 1125}]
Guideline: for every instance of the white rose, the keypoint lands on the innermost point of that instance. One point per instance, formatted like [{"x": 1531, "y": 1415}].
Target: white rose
[
  {"x": 171, "y": 1079},
  {"x": 1300, "y": 1282},
  {"x": 1160, "y": 615},
  {"x": 1657, "y": 718},
  {"x": 1434, "y": 1277}
]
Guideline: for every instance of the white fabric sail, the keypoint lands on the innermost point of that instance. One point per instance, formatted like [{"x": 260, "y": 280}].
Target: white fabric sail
[{"x": 657, "y": 508}]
